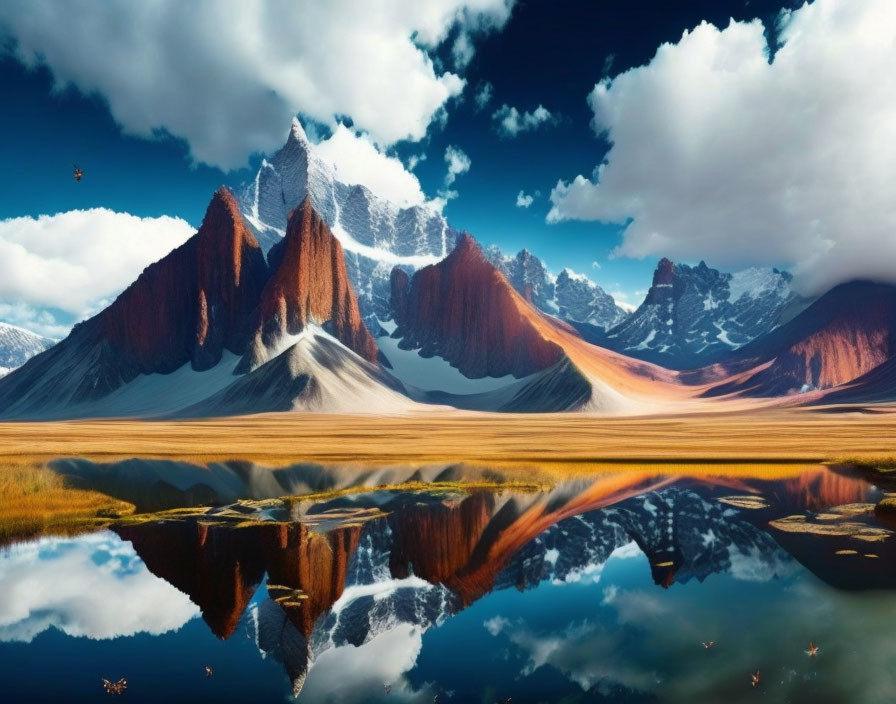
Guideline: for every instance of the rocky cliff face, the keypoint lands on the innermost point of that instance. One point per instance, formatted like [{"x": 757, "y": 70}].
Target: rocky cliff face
[
  {"x": 845, "y": 334},
  {"x": 464, "y": 310},
  {"x": 308, "y": 284},
  {"x": 695, "y": 315},
  {"x": 192, "y": 304}
]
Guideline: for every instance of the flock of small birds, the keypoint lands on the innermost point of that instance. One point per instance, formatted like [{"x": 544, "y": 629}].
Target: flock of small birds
[
  {"x": 115, "y": 687},
  {"x": 756, "y": 677},
  {"x": 118, "y": 687}
]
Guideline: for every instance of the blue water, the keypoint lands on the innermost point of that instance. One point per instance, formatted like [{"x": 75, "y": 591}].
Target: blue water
[{"x": 582, "y": 611}]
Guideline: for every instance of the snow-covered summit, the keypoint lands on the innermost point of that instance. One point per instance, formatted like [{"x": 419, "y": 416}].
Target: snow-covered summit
[
  {"x": 569, "y": 295},
  {"x": 695, "y": 315},
  {"x": 18, "y": 345},
  {"x": 375, "y": 233}
]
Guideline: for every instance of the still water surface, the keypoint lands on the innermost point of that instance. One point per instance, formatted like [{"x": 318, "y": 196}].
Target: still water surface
[{"x": 600, "y": 590}]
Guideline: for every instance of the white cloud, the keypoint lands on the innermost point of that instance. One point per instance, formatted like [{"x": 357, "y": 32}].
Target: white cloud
[
  {"x": 462, "y": 50},
  {"x": 523, "y": 200},
  {"x": 458, "y": 163},
  {"x": 719, "y": 154},
  {"x": 415, "y": 159},
  {"x": 595, "y": 264},
  {"x": 624, "y": 300},
  {"x": 93, "y": 586},
  {"x": 483, "y": 96},
  {"x": 357, "y": 160},
  {"x": 228, "y": 75},
  {"x": 511, "y": 122},
  {"x": 76, "y": 262}
]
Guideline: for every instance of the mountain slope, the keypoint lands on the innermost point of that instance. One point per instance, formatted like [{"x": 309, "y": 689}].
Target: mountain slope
[
  {"x": 18, "y": 345},
  {"x": 376, "y": 235},
  {"x": 845, "y": 334},
  {"x": 315, "y": 373},
  {"x": 694, "y": 315}
]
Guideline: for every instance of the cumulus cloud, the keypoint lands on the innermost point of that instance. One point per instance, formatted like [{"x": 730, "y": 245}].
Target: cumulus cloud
[
  {"x": 270, "y": 61},
  {"x": 483, "y": 96},
  {"x": 76, "y": 262},
  {"x": 415, "y": 159},
  {"x": 356, "y": 159},
  {"x": 523, "y": 200},
  {"x": 94, "y": 586},
  {"x": 458, "y": 163},
  {"x": 510, "y": 122},
  {"x": 720, "y": 152}
]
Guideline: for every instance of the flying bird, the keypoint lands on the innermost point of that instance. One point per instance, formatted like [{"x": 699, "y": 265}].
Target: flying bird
[
  {"x": 708, "y": 644},
  {"x": 208, "y": 671},
  {"x": 387, "y": 688},
  {"x": 813, "y": 650},
  {"x": 754, "y": 679},
  {"x": 78, "y": 172},
  {"x": 115, "y": 687}
]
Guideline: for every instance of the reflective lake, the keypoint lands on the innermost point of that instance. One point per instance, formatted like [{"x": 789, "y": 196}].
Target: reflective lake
[{"x": 598, "y": 590}]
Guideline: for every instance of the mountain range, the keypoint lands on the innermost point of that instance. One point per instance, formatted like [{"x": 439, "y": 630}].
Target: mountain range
[{"x": 300, "y": 292}]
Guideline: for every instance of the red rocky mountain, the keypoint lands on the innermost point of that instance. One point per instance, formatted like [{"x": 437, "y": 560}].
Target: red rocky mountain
[
  {"x": 192, "y": 304},
  {"x": 308, "y": 284},
  {"x": 213, "y": 294},
  {"x": 464, "y": 310},
  {"x": 845, "y": 334}
]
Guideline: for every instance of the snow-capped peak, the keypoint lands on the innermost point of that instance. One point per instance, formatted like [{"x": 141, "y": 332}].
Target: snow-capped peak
[
  {"x": 18, "y": 345},
  {"x": 298, "y": 132},
  {"x": 575, "y": 276},
  {"x": 375, "y": 233}
]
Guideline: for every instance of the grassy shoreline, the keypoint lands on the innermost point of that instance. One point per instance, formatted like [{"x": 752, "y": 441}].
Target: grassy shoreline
[{"x": 36, "y": 501}]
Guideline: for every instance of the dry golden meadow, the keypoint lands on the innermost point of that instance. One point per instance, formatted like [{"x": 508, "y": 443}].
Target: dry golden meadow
[
  {"x": 760, "y": 443},
  {"x": 774, "y": 435}
]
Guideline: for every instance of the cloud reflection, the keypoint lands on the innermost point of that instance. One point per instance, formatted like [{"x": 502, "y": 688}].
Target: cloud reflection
[{"x": 93, "y": 586}]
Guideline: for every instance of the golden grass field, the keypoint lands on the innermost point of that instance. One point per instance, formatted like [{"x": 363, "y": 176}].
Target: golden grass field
[
  {"x": 33, "y": 500},
  {"x": 774, "y": 435}
]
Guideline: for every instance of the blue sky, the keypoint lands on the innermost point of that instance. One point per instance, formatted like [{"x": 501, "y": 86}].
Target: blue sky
[{"x": 531, "y": 53}]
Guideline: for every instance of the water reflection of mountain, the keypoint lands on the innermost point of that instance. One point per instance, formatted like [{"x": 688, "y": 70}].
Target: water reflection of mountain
[{"x": 421, "y": 557}]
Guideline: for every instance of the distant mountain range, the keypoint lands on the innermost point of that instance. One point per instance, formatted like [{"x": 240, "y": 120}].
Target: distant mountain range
[
  {"x": 304, "y": 293},
  {"x": 695, "y": 315}
]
